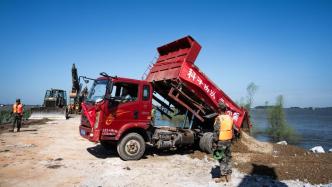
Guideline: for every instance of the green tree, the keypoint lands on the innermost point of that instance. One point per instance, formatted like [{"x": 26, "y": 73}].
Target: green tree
[
  {"x": 279, "y": 129},
  {"x": 248, "y": 101},
  {"x": 251, "y": 91}
]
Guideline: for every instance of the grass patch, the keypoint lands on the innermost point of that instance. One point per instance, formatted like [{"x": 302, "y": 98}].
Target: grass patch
[{"x": 7, "y": 117}]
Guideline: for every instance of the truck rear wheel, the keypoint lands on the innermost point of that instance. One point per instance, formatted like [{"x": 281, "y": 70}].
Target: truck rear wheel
[
  {"x": 208, "y": 142},
  {"x": 131, "y": 147},
  {"x": 205, "y": 143},
  {"x": 201, "y": 143}
]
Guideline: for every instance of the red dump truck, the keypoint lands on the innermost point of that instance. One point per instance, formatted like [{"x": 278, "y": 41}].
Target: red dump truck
[{"x": 117, "y": 112}]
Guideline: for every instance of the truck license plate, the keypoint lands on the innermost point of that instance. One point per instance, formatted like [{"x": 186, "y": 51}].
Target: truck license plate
[{"x": 82, "y": 132}]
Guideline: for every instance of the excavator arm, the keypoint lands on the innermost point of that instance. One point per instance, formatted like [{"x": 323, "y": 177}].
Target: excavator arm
[{"x": 75, "y": 82}]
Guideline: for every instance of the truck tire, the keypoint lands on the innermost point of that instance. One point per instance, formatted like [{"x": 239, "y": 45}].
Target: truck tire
[
  {"x": 208, "y": 142},
  {"x": 131, "y": 147},
  {"x": 205, "y": 143},
  {"x": 201, "y": 143},
  {"x": 67, "y": 113}
]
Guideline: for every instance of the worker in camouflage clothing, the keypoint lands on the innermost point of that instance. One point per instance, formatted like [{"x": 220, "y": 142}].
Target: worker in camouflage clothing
[
  {"x": 223, "y": 134},
  {"x": 18, "y": 114}
]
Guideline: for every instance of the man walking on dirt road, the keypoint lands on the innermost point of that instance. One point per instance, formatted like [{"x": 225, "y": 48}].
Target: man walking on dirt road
[
  {"x": 18, "y": 114},
  {"x": 223, "y": 134}
]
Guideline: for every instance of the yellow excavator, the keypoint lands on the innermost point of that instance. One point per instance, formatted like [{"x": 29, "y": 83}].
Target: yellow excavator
[{"x": 77, "y": 95}]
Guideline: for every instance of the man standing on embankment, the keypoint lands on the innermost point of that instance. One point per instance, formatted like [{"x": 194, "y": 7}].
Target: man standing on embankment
[
  {"x": 18, "y": 114},
  {"x": 223, "y": 134}
]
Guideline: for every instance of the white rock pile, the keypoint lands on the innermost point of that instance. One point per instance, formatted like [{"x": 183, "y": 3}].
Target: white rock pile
[
  {"x": 282, "y": 143},
  {"x": 317, "y": 149}
]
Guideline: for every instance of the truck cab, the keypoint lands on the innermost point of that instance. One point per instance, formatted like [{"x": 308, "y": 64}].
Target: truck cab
[{"x": 116, "y": 107}]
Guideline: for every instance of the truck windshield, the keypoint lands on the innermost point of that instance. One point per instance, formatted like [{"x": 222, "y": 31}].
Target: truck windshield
[{"x": 97, "y": 91}]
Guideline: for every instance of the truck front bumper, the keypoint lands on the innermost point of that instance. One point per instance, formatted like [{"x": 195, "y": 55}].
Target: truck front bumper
[{"x": 90, "y": 134}]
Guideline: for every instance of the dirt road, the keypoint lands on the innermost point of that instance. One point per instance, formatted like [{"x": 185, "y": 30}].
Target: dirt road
[{"x": 53, "y": 154}]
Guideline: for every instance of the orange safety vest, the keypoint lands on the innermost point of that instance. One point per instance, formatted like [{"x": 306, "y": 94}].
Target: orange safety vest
[
  {"x": 225, "y": 127},
  {"x": 18, "y": 108}
]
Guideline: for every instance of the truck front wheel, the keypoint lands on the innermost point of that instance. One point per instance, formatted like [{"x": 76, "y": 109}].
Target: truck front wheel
[{"x": 131, "y": 147}]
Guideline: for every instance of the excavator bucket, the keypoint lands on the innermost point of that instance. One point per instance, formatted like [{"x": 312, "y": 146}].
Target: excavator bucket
[{"x": 49, "y": 113}]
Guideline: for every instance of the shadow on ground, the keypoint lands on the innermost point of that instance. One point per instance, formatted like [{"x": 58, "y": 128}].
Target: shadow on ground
[
  {"x": 28, "y": 130},
  {"x": 260, "y": 175},
  {"x": 100, "y": 152}
]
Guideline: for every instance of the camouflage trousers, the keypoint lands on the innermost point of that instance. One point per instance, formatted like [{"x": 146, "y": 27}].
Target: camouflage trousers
[
  {"x": 18, "y": 121},
  {"x": 226, "y": 161}
]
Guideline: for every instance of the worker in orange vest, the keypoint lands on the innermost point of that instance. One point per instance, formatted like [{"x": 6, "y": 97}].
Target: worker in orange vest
[
  {"x": 18, "y": 114},
  {"x": 223, "y": 134}
]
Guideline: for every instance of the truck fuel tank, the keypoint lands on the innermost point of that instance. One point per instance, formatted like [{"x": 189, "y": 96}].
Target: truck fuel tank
[{"x": 164, "y": 138}]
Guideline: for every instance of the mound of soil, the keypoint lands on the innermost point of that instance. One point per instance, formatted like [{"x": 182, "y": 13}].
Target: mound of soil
[
  {"x": 249, "y": 144},
  {"x": 282, "y": 162}
]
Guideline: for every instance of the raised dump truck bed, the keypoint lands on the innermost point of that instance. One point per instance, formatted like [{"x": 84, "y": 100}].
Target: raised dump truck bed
[{"x": 175, "y": 78}]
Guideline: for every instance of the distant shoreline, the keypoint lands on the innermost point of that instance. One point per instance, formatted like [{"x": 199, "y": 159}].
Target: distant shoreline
[
  {"x": 300, "y": 108},
  {"x": 256, "y": 107}
]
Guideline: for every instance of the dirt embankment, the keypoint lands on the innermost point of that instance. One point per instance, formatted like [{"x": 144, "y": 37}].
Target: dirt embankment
[
  {"x": 53, "y": 154},
  {"x": 283, "y": 162},
  {"x": 280, "y": 162}
]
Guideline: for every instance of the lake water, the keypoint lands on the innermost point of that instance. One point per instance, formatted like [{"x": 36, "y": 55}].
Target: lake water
[{"x": 314, "y": 126}]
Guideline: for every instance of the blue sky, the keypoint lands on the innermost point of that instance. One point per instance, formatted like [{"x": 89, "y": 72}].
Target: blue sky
[{"x": 285, "y": 47}]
